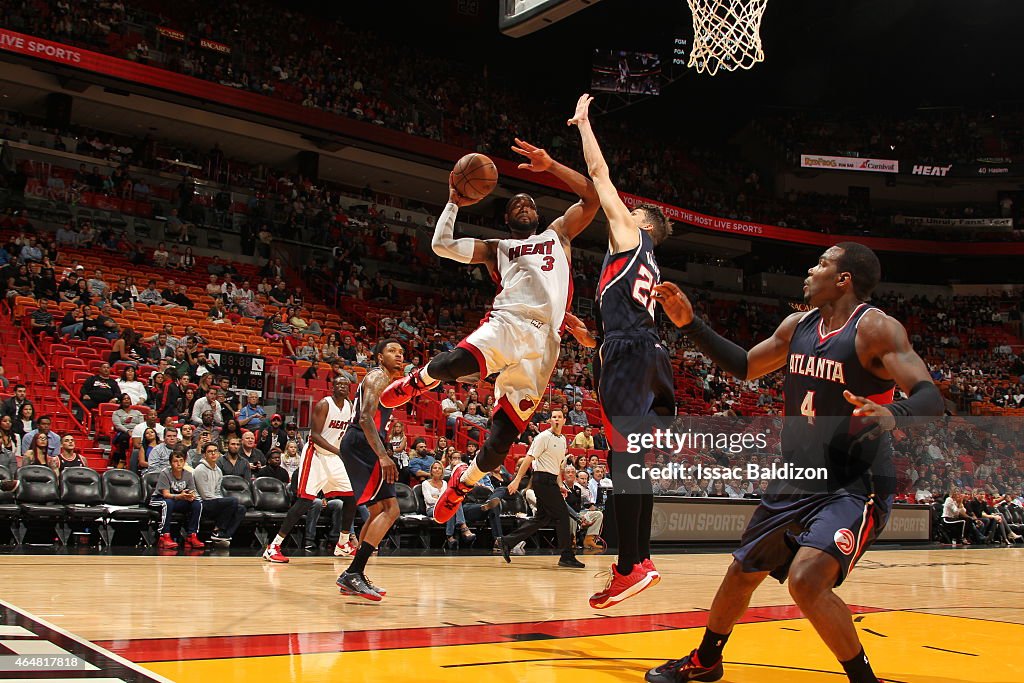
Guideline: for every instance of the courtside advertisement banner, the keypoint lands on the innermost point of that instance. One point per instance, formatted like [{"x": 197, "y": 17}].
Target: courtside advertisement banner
[{"x": 849, "y": 163}]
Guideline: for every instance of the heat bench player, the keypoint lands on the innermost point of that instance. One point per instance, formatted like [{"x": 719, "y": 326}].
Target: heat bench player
[
  {"x": 633, "y": 371},
  {"x": 520, "y": 338},
  {"x": 323, "y": 471},
  {"x": 368, "y": 462}
]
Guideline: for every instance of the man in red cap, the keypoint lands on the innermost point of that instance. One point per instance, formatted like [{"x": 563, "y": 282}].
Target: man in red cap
[{"x": 275, "y": 436}]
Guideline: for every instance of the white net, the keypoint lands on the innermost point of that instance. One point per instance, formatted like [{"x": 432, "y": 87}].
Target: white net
[{"x": 726, "y": 34}]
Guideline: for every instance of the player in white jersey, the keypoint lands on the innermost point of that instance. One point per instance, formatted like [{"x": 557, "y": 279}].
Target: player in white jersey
[
  {"x": 520, "y": 338},
  {"x": 322, "y": 470}
]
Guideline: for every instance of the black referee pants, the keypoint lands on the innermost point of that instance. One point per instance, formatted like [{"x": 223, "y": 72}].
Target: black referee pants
[{"x": 551, "y": 510}]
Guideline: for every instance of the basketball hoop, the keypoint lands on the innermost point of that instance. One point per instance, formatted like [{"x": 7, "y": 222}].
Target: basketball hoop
[{"x": 726, "y": 34}]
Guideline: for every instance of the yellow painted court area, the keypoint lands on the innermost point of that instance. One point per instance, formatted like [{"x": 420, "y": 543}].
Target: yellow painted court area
[{"x": 910, "y": 647}]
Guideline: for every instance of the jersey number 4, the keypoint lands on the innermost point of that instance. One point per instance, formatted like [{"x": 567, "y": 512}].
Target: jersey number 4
[
  {"x": 807, "y": 407},
  {"x": 642, "y": 289}
]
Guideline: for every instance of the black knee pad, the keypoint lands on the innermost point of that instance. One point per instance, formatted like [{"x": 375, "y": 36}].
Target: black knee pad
[{"x": 451, "y": 365}]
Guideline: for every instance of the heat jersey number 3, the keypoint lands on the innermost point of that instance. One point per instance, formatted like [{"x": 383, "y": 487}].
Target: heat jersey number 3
[{"x": 642, "y": 289}]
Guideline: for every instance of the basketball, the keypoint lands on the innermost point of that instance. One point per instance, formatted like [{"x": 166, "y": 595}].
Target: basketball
[{"x": 474, "y": 176}]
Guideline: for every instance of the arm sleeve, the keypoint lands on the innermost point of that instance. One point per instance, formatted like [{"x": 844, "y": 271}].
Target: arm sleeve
[
  {"x": 924, "y": 401},
  {"x": 444, "y": 242},
  {"x": 724, "y": 353}
]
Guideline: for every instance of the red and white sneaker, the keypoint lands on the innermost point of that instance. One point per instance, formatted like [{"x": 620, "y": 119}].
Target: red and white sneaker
[
  {"x": 452, "y": 497},
  {"x": 273, "y": 554},
  {"x": 648, "y": 566},
  {"x": 346, "y": 549},
  {"x": 401, "y": 391},
  {"x": 192, "y": 541},
  {"x": 166, "y": 542},
  {"x": 620, "y": 587}
]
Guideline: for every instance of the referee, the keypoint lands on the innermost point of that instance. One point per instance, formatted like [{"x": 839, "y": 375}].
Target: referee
[{"x": 548, "y": 453}]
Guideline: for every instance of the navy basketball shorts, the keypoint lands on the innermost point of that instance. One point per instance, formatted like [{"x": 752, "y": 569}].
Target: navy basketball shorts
[
  {"x": 634, "y": 378},
  {"x": 364, "y": 470},
  {"x": 842, "y": 524}
]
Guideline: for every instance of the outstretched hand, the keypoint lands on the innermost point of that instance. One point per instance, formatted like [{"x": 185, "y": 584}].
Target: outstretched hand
[
  {"x": 885, "y": 421},
  {"x": 582, "y": 110},
  {"x": 579, "y": 330},
  {"x": 677, "y": 306},
  {"x": 540, "y": 160}
]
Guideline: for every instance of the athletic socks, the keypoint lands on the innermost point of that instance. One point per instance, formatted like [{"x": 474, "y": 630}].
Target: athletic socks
[
  {"x": 471, "y": 476},
  {"x": 424, "y": 377},
  {"x": 278, "y": 540},
  {"x": 363, "y": 554},
  {"x": 710, "y": 651},
  {"x": 858, "y": 669}
]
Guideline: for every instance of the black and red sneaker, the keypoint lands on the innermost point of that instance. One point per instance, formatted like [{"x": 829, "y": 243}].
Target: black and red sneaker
[
  {"x": 401, "y": 391},
  {"x": 685, "y": 669}
]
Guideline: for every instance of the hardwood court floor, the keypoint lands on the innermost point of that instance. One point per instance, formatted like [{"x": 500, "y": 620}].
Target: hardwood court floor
[{"x": 925, "y": 616}]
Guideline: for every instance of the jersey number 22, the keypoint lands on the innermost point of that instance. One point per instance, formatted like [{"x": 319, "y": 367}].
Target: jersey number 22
[{"x": 642, "y": 289}]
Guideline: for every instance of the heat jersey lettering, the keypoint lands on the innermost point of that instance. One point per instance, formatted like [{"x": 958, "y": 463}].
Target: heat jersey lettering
[{"x": 540, "y": 248}]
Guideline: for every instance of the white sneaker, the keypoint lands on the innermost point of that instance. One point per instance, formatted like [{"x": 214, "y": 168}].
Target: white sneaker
[{"x": 519, "y": 549}]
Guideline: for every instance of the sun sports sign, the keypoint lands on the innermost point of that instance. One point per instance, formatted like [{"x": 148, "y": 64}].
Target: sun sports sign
[{"x": 849, "y": 163}]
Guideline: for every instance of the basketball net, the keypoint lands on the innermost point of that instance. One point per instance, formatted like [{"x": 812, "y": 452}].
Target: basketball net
[{"x": 726, "y": 34}]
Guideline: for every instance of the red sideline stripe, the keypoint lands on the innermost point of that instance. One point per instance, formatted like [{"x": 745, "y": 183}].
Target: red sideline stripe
[{"x": 226, "y": 647}]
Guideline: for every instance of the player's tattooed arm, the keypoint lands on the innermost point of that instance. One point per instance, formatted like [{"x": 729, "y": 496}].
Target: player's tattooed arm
[
  {"x": 317, "y": 427},
  {"x": 576, "y": 219},
  {"x": 373, "y": 386},
  {"x": 622, "y": 229}
]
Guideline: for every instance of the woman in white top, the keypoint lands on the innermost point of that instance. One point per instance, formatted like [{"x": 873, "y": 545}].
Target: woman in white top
[
  {"x": 432, "y": 489},
  {"x": 130, "y": 384}
]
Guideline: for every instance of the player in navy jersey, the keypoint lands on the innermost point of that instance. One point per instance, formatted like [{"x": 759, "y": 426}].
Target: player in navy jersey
[
  {"x": 369, "y": 465},
  {"x": 632, "y": 371},
  {"x": 842, "y": 361}
]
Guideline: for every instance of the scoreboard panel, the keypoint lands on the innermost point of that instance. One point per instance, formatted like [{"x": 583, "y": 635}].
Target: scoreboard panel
[
  {"x": 518, "y": 18},
  {"x": 247, "y": 371}
]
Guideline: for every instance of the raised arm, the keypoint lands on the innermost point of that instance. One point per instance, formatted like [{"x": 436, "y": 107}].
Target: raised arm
[
  {"x": 373, "y": 386},
  {"x": 576, "y": 219},
  {"x": 622, "y": 231},
  {"x": 316, "y": 433},
  {"x": 464, "y": 249},
  {"x": 767, "y": 356}
]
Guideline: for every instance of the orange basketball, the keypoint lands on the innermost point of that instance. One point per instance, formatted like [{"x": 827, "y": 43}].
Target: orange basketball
[{"x": 474, "y": 176}]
